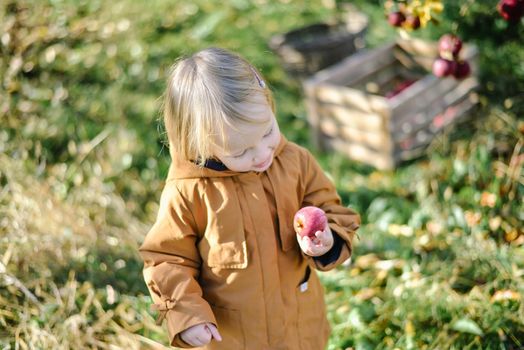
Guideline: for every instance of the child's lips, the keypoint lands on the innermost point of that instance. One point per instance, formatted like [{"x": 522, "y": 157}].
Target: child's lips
[{"x": 264, "y": 163}]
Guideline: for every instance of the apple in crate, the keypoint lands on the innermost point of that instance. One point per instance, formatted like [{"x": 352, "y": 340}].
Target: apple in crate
[
  {"x": 462, "y": 70},
  {"x": 442, "y": 67},
  {"x": 309, "y": 220},
  {"x": 449, "y": 44}
]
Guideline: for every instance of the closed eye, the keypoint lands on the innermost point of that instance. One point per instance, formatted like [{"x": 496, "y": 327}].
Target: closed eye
[
  {"x": 269, "y": 132},
  {"x": 240, "y": 154}
]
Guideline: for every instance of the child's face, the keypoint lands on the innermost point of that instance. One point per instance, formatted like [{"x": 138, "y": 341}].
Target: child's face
[{"x": 251, "y": 147}]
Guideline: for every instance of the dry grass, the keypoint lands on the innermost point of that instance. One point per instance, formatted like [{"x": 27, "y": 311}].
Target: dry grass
[
  {"x": 43, "y": 238},
  {"x": 441, "y": 260}
]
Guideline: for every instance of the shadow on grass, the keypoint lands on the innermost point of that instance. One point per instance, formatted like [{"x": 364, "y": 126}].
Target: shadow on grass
[{"x": 104, "y": 266}]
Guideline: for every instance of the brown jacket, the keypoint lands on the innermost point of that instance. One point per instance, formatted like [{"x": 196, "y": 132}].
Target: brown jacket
[{"x": 223, "y": 250}]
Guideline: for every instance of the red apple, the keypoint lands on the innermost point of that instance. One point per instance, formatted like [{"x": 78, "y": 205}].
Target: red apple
[
  {"x": 462, "y": 70},
  {"x": 404, "y": 85},
  {"x": 396, "y": 18},
  {"x": 399, "y": 88},
  {"x": 413, "y": 22},
  {"x": 309, "y": 220},
  {"x": 449, "y": 44},
  {"x": 443, "y": 67},
  {"x": 511, "y": 10}
]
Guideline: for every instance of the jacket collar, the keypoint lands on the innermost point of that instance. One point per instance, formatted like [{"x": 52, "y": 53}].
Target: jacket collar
[{"x": 185, "y": 169}]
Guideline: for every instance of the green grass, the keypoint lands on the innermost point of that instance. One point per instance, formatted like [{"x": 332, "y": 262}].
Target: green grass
[{"x": 439, "y": 263}]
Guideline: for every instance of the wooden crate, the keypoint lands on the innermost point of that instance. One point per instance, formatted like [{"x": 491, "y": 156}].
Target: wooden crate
[{"x": 348, "y": 111}]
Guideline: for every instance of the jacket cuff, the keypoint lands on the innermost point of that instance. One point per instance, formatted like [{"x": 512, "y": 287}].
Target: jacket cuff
[
  {"x": 175, "y": 326},
  {"x": 179, "y": 343},
  {"x": 333, "y": 254},
  {"x": 341, "y": 250},
  {"x": 180, "y": 316}
]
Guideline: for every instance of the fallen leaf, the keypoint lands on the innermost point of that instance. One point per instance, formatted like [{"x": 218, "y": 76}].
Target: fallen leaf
[
  {"x": 488, "y": 199},
  {"x": 507, "y": 294},
  {"x": 366, "y": 261},
  {"x": 466, "y": 325}
]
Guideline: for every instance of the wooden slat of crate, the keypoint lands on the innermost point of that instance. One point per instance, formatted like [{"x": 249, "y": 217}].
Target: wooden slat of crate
[
  {"x": 361, "y": 153},
  {"x": 417, "y": 147},
  {"x": 367, "y": 70},
  {"x": 439, "y": 120},
  {"x": 416, "y": 99},
  {"x": 413, "y": 61},
  {"x": 409, "y": 61},
  {"x": 353, "y": 66},
  {"x": 418, "y": 47},
  {"x": 423, "y": 117},
  {"x": 377, "y": 141},
  {"x": 332, "y": 94},
  {"x": 358, "y": 120}
]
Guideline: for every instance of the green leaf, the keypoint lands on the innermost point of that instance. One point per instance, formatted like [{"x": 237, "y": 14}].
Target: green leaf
[
  {"x": 207, "y": 25},
  {"x": 458, "y": 216},
  {"x": 466, "y": 325},
  {"x": 364, "y": 344},
  {"x": 355, "y": 320}
]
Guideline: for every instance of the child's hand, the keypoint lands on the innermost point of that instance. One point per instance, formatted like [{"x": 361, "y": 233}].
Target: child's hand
[
  {"x": 200, "y": 334},
  {"x": 318, "y": 245}
]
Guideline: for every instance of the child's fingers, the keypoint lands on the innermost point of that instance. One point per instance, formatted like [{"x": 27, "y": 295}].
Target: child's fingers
[
  {"x": 198, "y": 342},
  {"x": 304, "y": 243},
  {"x": 310, "y": 243},
  {"x": 214, "y": 332},
  {"x": 198, "y": 335},
  {"x": 324, "y": 237},
  {"x": 312, "y": 246},
  {"x": 321, "y": 238},
  {"x": 202, "y": 339}
]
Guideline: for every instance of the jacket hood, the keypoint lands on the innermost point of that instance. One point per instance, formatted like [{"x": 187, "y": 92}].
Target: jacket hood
[{"x": 185, "y": 169}]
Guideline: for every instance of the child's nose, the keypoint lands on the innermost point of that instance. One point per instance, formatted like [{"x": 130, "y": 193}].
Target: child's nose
[{"x": 261, "y": 154}]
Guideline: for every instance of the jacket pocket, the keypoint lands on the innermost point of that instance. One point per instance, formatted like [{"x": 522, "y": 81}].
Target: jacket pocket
[
  {"x": 228, "y": 255},
  {"x": 313, "y": 328},
  {"x": 223, "y": 244},
  {"x": 229, "y": 324}
]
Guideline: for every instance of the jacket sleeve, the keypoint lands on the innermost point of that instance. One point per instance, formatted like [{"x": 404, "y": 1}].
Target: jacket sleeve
[
  {"x": 343, "y": 221},
  {"x": 171, "y": 267}
]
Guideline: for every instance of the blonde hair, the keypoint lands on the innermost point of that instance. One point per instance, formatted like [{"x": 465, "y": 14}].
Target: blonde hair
[{"x": 203, "y": 95}]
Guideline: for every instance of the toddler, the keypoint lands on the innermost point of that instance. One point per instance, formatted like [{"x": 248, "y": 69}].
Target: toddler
[{"x": 222, "y": 262}]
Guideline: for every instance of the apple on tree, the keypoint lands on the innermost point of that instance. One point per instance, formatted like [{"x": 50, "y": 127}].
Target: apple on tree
[
  {"x": 412, "y": 14},
  {"x": 511, "y": 10},
  {"x": 412, "y": 22},
  {"x": 396, "y": 18}
]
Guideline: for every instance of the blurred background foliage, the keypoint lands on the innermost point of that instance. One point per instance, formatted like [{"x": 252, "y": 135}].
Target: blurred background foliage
[{"x": 440, "y": 260}]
